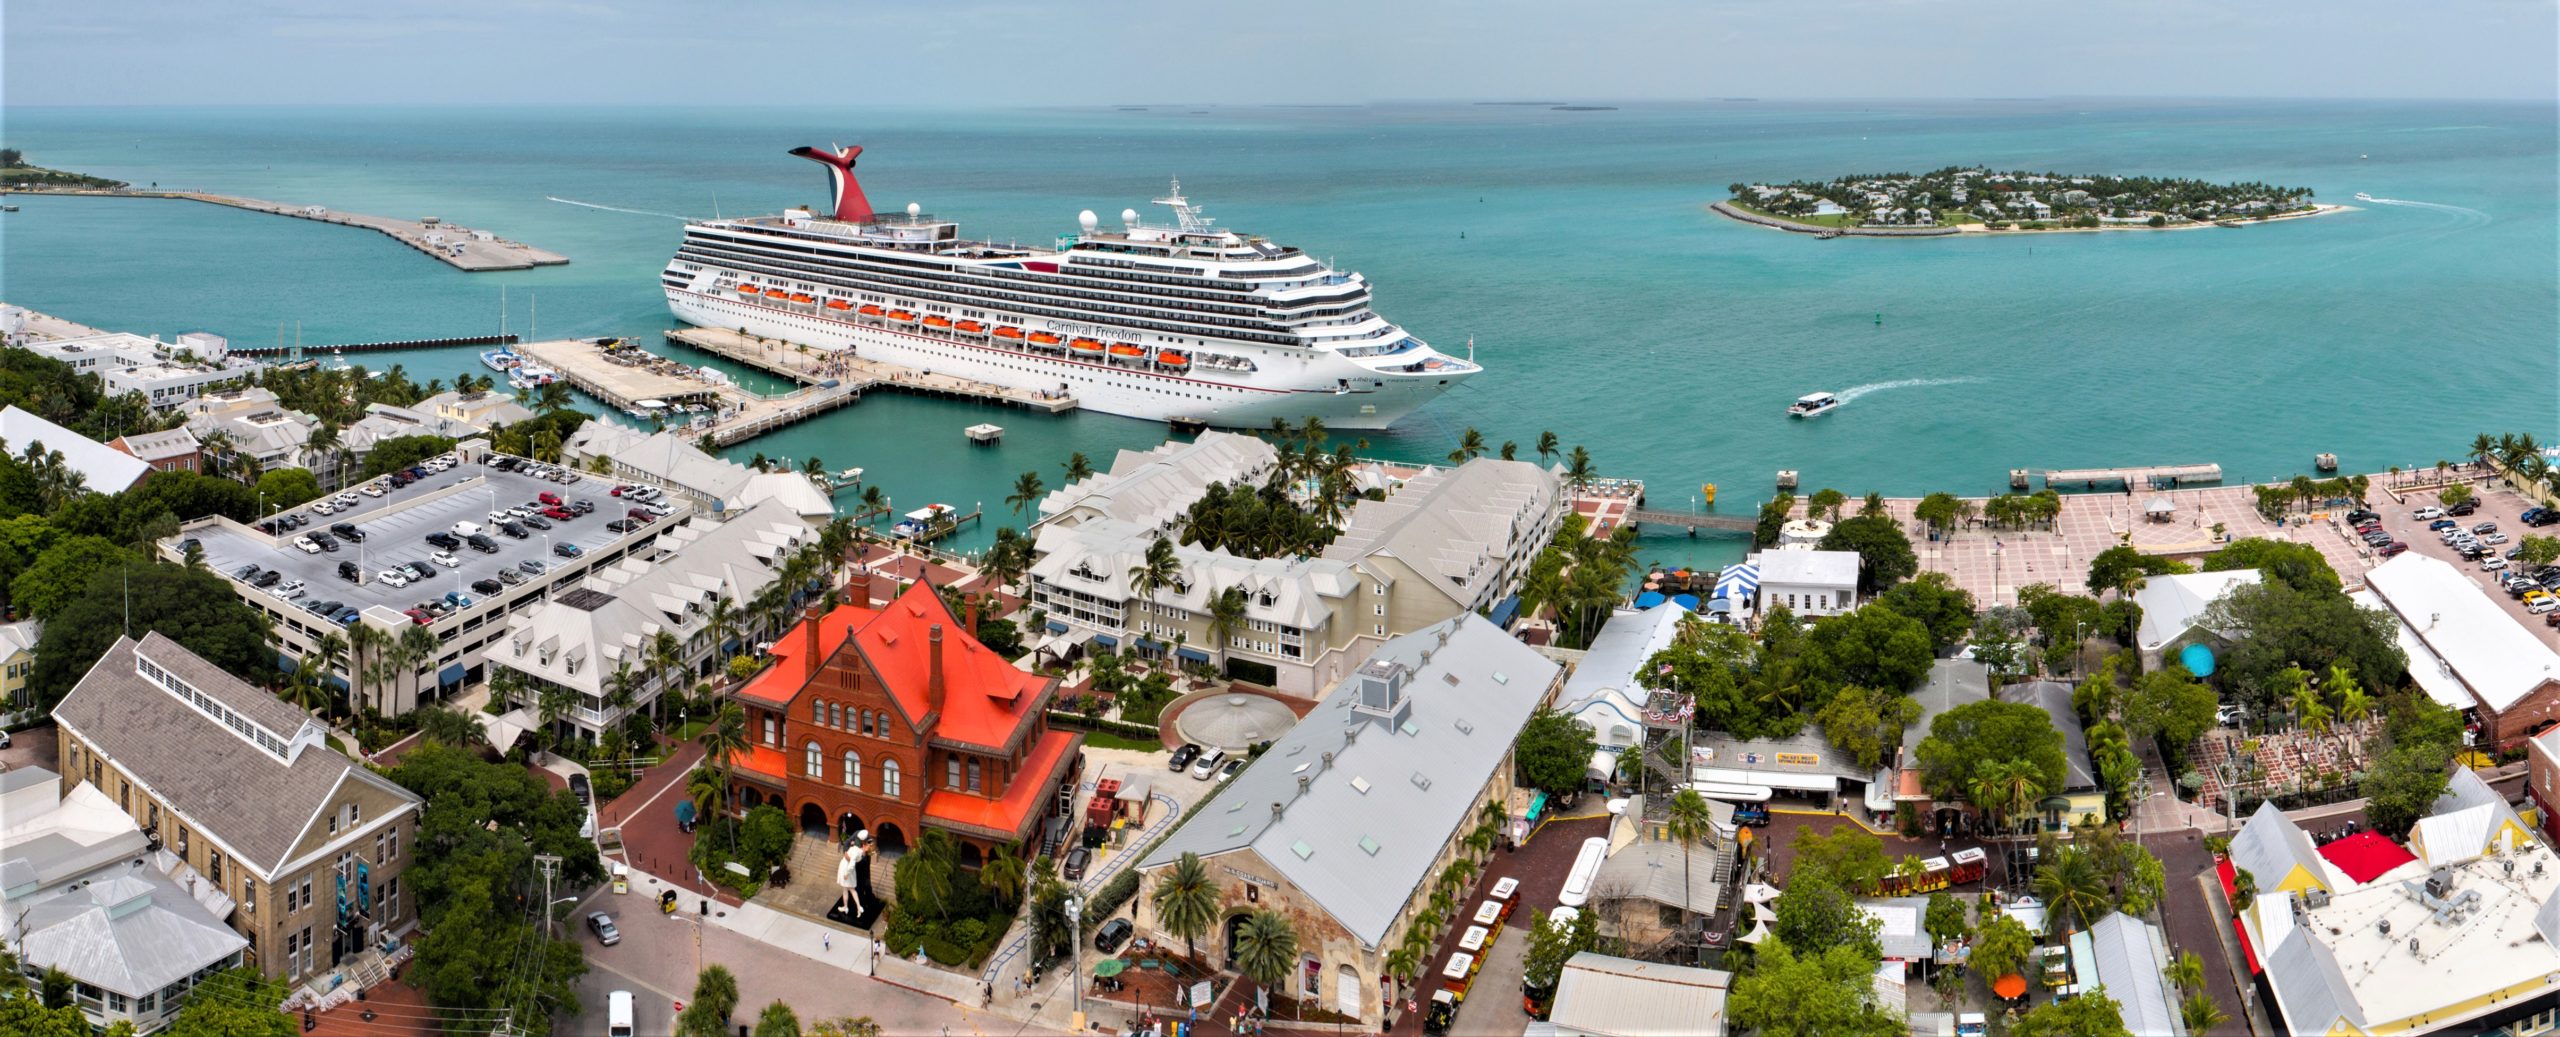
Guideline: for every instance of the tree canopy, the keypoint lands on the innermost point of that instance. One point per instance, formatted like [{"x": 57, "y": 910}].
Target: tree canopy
[
  {"x": 2274, "y": 625},
  {"x": 1553, "y": 752},
  {"x": 226, "y": 1005},
  {"x": 2401, "y": 786},
  {"x": 1864, "y": 722},
  {"x": 2170, "y": 703},
  {"x": 282, "y": 488},
  {"x": 1963, "y": 740},
  {"x": 2122, "y": 568},
  {"x": 63, "y": 571},
  {"x": 1885, "y": 557},
  {"x": 191, "y": 606},
  {"x": 400, "y": 452},
  {"x": 1828, "y": 992},
  {"x": 1874, "y": 646},
  {"x": 2296, "y": 565},
  {"x": 2092, "y": 1014},
  {"x": 1936, "y": 603}
]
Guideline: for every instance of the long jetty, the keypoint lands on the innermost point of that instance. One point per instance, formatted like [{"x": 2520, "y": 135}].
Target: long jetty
[
  {"x": 377, "y": 347},
  {"x": 847, "y": 368},
  {"x": 463, "y": 248},
  {"x": 1693, "y": 521},
  {"x": 626, "y": 384}
]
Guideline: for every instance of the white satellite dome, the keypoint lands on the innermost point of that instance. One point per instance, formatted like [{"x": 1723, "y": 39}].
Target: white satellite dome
[
  {"x": 914, "y": 209},
  {"x": 1087, "y": 220},
  {"x": 1129, "y": 216}
]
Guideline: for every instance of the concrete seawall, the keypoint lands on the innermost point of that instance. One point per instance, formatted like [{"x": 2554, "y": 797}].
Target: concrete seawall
[
  {"x": 459, "y": 247},
  {"x": 1855, "y": 232}
]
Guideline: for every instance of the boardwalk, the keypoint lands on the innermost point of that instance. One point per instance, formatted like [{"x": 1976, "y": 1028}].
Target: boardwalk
[
  {"x": 462, "y": 248},
  {"x": 809, "y": 364}
]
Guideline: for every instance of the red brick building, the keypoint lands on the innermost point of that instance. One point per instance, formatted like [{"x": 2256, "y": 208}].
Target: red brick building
[{"x": 897, "y": 720}]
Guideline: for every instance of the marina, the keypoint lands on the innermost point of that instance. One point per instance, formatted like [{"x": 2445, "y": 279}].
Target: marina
[
  {"x": 463, "y": 248},
  {"x": 661, "y": 391}
]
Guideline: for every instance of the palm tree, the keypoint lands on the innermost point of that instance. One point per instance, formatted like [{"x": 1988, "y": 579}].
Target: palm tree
[
  {"x": 2201, "y": 1012},
  {"x": 2486, "y": 449},
  {"x": 2185, "y": 972},
  {"x": 722, "y": 620},
  {"x": 1003, "y": 875},
  {"x": 550, "y": 705},
  {"x": 1470, "y": 446},
  {"x": 2073, "y": 888},
  {"x": 618, "y": 684},
  {"x": 1158, "y": 571},
  {"x": 1267, "y": 948},
  {"x": 304, "y": 690},
  {"x": 1026, "y": 492},
  {"x": 716, "y": 990},
  {"x": 723, "y": 739},
  {"x": 1995, "y": 784},
  {"x": 1578, "y": 469},
  {"x": 1186, "y": 901},
  {"x": 416, "y": 646},
  {"x": 1005, "y": 562},
  {"x": 704, "y": 788},
  {"x": 1688, "y": 821},
  {"x": 1078, "y": 469},
  {"x": 1547, "y": 447},
  {"x": 1226, "y": 619},
  {"x": 1404, "y": 962},
  {"x": 666, "y": 659}
]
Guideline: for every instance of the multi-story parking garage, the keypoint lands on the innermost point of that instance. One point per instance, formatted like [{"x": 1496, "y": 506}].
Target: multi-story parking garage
[{"x": 395, "y": 525}]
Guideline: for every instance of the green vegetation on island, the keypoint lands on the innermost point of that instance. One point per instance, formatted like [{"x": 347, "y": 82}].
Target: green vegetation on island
[
  {"x": 2002, "y": 200},
  {"x": 16, "y": 174}
]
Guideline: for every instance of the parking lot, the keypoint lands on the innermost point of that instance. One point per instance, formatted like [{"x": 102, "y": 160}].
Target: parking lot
[
  {"x": 395, "y": 531},
  {"x": 2502, "y": 506}
]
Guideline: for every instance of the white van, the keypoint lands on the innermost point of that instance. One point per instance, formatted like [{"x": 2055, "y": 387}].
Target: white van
[
  {"x": 618, "y": 1014},
  {"x": 1586, "y": 870},
  {"x": 466, "y": 530}
]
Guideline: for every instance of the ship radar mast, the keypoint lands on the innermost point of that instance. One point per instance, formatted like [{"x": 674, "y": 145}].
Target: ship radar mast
[{"x": 1193, "y": 221}]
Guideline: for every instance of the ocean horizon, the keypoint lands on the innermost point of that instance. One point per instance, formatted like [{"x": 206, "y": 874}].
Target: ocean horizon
[{"x": 1573, "y": 248}]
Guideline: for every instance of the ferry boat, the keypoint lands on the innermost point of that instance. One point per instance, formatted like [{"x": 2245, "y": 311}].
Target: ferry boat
[
  {"x": 919, "y": 522},
  {"x": 531, "y": 376},
  {"x": 1813, "y": 404},
  {"x": 1219, "y": 326}
]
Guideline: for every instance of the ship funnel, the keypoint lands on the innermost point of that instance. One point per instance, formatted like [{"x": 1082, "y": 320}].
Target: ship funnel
[{"x": 851, "y": 206}]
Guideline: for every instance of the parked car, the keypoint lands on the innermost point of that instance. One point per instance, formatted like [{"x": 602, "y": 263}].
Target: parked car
[
  {"x": 2492, "y": 563},
  {"x": 2443, "y": 523},
  {"x": 2428, "y": 512},
  {"x": 622, "y": 525},
  {"x": 578, "y": 787},
  {"x": 567, "y": 550},
  {"x": 510, "y": 577},
  {"x": 1233, "y": 767},
  {"x": 2392, "y": 549},
  {"x": 1752, "y": 814},
  {"x": 1112, "y": 934},
  {"x": 347, "y": 571},
  {"x": 457, "y": 599},
  {"x": 602, "y": 925},
  {"x": 268, "y": 579},
  {"x": 583, "y": 506},
  {"x": 487, "y": 586},
  {"x": 557, "y": 513},
  {"x": 2362, "y": 515},
  {"x": 447, "y": 559},
  {"x": 1072, "y": 868},
  {"x": 513, "y": 529},
  {"x": 246, "y": 572},
  {"x": 1182, "y": 757},
  {"x": 548, "y": 497},
  {"x": 420, "y": 570},
  {"x": 1207, "y": 765},
  {"x": 394, "y": 577},
  {"x": 2494, "y": 538},
  {"x": 347, "y": 530},
  {"x": 532, "y": 566},
  {"x": 289, "y": 588},
  {"x": 2464, "y": 508},
  {"x": 482, "y": 543},
  {"x": 535, "y": 522}
]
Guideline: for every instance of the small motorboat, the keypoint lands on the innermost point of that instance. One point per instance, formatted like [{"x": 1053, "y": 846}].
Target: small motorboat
[{"x": 1812, "y": 405}]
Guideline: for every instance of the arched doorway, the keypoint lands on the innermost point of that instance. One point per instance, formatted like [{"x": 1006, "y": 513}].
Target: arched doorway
[
  {"x": 970, "y": 858},
  {"x": 1235, "y": 929},
  {"x": 813, "y": 821},
  {"x": 753, "y": 800},
  {"x": 889, "y": 839},
  {"x": 847, "y": 825}
]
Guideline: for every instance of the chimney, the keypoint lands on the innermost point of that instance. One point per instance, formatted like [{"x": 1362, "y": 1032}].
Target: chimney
[
  {"x": 812, "y": 623},
  {"x": 933, "y": 679},
  {"x": 970, "y": 624}
]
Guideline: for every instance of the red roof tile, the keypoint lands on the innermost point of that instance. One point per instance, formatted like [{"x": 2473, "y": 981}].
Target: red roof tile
[
  {"x": 1012, "y": 813},
  {"x": 985, "y": 700},
  {"x": 791, "y": 667},
  {"x": 762, "y": 759}
]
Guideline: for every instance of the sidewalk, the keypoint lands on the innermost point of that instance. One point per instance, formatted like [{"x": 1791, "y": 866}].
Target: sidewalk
[{"x": 765, "y": 925}]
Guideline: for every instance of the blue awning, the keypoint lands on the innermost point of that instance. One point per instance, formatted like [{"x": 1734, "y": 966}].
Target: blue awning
[
  {"x": 1503, "y": 613},
  {"x": 1056, "y": 627},
  {"x": 450, "y": 674},
  {"x": 1648, "y": 599},
  {"x": 1193, "y": 654},
  {"x": 1686, "y": 601},
  {"x": 1106, "y": 640},
  {"x": 1147, "y": 645},
  {"x": 1738, "y": 581}
]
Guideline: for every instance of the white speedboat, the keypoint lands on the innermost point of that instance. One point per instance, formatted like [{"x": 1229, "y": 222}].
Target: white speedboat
[{"x": 1813, "y": 405}]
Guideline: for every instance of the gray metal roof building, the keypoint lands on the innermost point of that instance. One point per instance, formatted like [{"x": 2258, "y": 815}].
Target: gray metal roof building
[
  {"x": 1356, "y": 804},
  {"x": 1601, "y": 996},
  {"x": 2131, "y": 955}
]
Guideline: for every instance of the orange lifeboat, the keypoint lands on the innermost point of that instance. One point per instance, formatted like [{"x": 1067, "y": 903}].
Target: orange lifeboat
[
  {"x": 937, "y": 321},
  {"x": 801, "y": 299},
  {"x": 1172, "y": 359},
  {"x": 1050, "y": 339},
  {"x": 1012, "y": 332},
  {"x": 869, "y": 310},
  {"x": 1085, "y": 345},
  {"x": 1127, "y": 349},
  {"x": 971, "y": 327},
  {"x": 749, "y": 290},
  {"x": 839, "y": 305},
  {"x": 902, "y": 316},
  {"x": 777, "y": 293}
]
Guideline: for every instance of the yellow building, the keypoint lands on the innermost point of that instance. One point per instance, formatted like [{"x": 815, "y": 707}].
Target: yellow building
[
  {"x": 17, "y": 665},
  {"x": 2278, "y": 855}
]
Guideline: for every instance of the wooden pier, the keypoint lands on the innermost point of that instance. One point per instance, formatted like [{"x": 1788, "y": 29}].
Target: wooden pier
[
  {"x": 376, "y": 347},
  {"x": 1693, "y": 521},
  {"x": 463, "y": 248},
  {"x": 2153, "y": 477},
  {"x": 811, "y": 365}
]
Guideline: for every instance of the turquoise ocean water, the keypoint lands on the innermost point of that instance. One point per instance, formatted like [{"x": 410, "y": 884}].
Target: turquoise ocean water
[{"x": 1573, "y": 247}]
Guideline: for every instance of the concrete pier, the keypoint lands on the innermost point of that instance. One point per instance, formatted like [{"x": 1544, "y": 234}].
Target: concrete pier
[
  {"x": 737, "y": 414},
  {"x": 810, "y": 365},
  {"x": 463, "y": 248}
]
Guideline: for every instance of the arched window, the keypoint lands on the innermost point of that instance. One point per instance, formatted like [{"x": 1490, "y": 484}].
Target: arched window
[
  {"x": 813, "y": 761},
  {"x": 835, "y": 715},
  {"x": 852, "y": 769},
  {"x": 817, "y": 712},
  {"x": 889, "y": 778},
  {"x": 866, "y": 722}
]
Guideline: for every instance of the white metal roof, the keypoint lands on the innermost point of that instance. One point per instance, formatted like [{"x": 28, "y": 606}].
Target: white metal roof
[
  {"x": 2172, "y": 603},
  {"x": 2270, "y": 846},
  {"x": 2130, "y": 957},
  {"x": 102, "y": 468},
  {"x": 1604, "y": 996},
  {"x": 1623, "y": 646},
  {"x": 2487, "y": 650},
  {"x": 2430, "y": 673},
  {"x": 1807, "y": 568}
]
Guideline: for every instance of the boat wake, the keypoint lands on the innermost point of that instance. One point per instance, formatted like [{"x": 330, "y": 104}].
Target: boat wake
[
  {"x": 1851, "y": 394},
  {"x": 613, "y": 208},
  {"x": 2462, "y": 215}
]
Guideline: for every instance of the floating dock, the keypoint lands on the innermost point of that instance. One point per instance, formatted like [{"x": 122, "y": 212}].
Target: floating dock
[
  {"x": 628, "y": 384},
  {"x": 984, "y": 435},
  {"x": 811, "y": 366},
  {"x": 2156, "y": 477},
  {"x": 463, "y": 248}
]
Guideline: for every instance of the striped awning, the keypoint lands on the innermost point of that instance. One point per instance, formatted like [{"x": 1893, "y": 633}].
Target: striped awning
[{"x": 1738, "y": 581}]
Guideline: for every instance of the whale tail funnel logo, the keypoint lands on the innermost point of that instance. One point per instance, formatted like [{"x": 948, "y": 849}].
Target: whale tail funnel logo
[{"x": 851, "y": 206}]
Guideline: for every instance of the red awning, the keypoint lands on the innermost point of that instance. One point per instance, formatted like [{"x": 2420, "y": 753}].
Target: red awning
[{"x": 2365, "y": 856}]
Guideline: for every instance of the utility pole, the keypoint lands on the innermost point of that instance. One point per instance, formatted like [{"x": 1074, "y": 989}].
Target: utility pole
[{"x": 550, "y": 865}]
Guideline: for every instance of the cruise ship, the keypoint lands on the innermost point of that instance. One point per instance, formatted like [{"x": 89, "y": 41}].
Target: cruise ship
[{"x": 1182, "y": 321}]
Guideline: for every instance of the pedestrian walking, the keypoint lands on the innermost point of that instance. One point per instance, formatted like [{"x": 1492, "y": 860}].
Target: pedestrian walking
[{"x": 827, "y": 942}]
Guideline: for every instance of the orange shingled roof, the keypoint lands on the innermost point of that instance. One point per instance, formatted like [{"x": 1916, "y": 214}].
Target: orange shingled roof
[
  {"x": 985, "y": 700},
  {"x": 762, "y": 759},
  {"x": 791, "y": 667},
  {"x": 1029, "y": 789}
]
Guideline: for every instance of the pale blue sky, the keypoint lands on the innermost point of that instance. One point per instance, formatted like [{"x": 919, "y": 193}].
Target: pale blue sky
[{"x": 1009, "y": 53}]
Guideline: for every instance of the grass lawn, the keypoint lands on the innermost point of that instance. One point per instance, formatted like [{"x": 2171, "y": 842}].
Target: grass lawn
[
  {"x": 1107, "y": 740},
  {"x": 1845, "y": 219},
  {"x": 690, "y": 730}
]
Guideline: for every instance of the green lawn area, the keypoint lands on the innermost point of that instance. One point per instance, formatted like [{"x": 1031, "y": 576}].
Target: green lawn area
[
  {"x": 1107, "y": 740},
  {"x": 1845, "y": 219}
]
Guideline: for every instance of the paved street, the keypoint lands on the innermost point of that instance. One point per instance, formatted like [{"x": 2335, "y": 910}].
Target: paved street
[
  {"x": 2192, "y": 921},
  {"x": 30, "y": 748}
]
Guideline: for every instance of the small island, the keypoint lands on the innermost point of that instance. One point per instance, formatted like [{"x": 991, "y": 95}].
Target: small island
[
  {"x": 1962, "y": 199},
  {"x": 16, "y": 174}
]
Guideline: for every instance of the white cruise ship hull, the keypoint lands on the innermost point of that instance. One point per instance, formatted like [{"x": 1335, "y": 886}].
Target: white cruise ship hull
[{"x": 1292, "y": 385}]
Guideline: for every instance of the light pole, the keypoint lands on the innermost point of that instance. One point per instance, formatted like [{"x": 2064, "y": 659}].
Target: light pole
[{"x": 1075, "y": 953}]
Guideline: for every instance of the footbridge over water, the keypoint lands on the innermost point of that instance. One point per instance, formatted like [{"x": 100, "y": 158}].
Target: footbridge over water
[{"x": 1665, "y": 519}]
